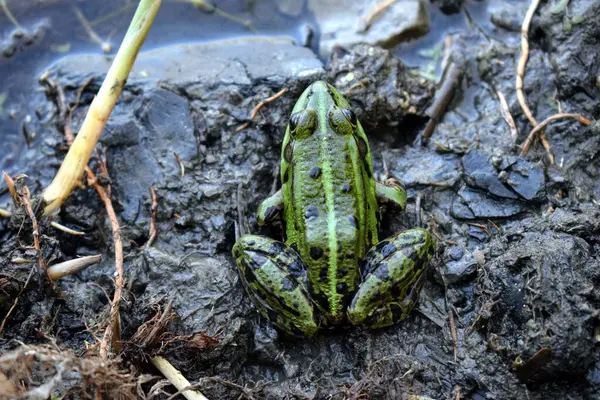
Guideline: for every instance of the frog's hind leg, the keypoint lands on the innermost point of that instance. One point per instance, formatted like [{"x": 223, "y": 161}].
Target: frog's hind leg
[
  {"x": 276, "y": 280},
  {"x": 393, "y": 274}
]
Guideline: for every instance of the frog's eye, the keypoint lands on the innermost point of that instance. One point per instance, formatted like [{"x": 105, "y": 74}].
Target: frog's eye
[
  {"x": 339, "y": 122},
  {"x": 303, "y": 124},
  {"x": 350, "y": 116}
]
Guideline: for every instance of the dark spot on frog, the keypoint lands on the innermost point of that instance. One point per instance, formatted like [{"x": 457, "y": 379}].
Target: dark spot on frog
[
  {"x": 316, "y": 253},
  {"x": 410, "y": 237},
  {"x": 276, "y": 248},
  {"x": 294, "y": 246},
  {"x": 257, "y": 260},
  {"x": 296, "y": 269},
  {"x": 346, "y": 156},
  {"x": 388, "y": 249},
  {"x": 382, "y": 272},
  {"x": 287, "y": 284},
  {"x": 349, "y": 256},
  {"x": 346, "y": 188},
  {"x": 311, "y": 212},
  {"x": 288, "y": 152},
  {"x": 341, "y": 287},
  {"x": 315, "y": 172},
  {"x": 323, "y": 275},
  {"x": 250, "y": 243},
  {"x": 353, "y": 221}
]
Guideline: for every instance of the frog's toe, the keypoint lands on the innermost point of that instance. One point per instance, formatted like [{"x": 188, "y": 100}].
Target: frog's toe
[
  {"x": 393, "y": 275},
  {"x": 275, "y": 278}
]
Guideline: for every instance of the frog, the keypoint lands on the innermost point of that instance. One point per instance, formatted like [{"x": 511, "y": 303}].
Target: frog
[{"x": 330, "y": 268}]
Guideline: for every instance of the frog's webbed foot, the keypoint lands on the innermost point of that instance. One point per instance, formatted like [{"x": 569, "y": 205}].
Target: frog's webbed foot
[
  {"x": 276, "y": 280},
  {"x": 393, "y": 274},
  {"x": 390, "y": 193},
  {"x": 270, "y": 208}
]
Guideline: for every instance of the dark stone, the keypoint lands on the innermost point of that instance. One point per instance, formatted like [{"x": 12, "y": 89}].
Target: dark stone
[{"x": 473, "y": 204}]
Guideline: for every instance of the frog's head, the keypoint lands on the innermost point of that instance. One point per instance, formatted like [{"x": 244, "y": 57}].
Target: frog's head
[
  {"x": 321, "y": 107},
  {"x": 322, "y": 111}
]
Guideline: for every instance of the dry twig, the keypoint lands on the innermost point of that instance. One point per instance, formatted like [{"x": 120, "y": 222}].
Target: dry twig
[
  {"x": 544, "y": 123},
  {"x": 453, "y": 333},
  {"x": 521, "y": 73},
  {"x": 152, "y": 233},
  {"x": 113, "y": 331},
  {"x": 259, "y": 106},
  {"x": 368, "y": 20},
  {"x": 181, "y": 166},
  {"x": 505, "y": 111}
]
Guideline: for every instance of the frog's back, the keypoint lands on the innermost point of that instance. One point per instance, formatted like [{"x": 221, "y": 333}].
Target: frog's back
[{"x": 329, "y": 195}]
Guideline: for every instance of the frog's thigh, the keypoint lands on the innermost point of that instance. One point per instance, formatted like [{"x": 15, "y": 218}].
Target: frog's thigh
[
  {"x": 270, "y": 208},
  {"x": 390, "y": 194},
  {"x": 275, "y": 278},
  {"x": 393, "y": 274}
]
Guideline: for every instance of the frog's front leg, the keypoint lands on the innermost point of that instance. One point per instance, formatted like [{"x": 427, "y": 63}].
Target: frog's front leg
[
  {"x": 392, "y": 274},
  {"x": 276, "y": 281},
  {"x": 391, "y": 193},
  {"x": 270, "y": 208}
]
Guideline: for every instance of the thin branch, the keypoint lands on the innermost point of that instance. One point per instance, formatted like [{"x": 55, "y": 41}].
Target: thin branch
[
  {"x": 543, "y": 124},
  {"x": 259, "y": 106},
  {"x": 152, "y": 230},
  {"x": 505, "y": 111},
  {"x": 181, "y": 166},
  {"x": 520, "y": 76},
  {"x": 368, "y": 20},
  {"x": 113, "y": 331}
]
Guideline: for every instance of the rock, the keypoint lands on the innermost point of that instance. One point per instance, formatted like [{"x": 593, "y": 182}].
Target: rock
[
  {"x": 239, "y": 61},
  {"x": 394, "y": 102},
  {"x": 481, "y": 174},
  {"x": 416, "y": 166},
  {"x": 344, "y": 22},
  {"x": 473, "y": 204},
  {"x": 458, "y": 264},
  {"x": 512, "y": 178},
  {"x": 527, "y": 180}
]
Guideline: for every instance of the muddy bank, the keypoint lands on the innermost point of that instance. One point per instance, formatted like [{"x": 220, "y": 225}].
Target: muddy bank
[{"x": 517, "y": 267}]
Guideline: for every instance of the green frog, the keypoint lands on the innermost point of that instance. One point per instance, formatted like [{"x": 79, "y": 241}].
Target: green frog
[{"x": 331, "y": 268}]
